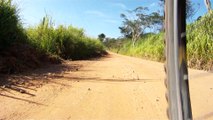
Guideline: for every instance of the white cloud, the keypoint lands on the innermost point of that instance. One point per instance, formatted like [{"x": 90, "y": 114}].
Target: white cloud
[
  {"x": 111, "y": 21},
  {"x": 153, "y": 4},
  {"x": 96, "y": 13},
  {"x": 121, "y": 5}
]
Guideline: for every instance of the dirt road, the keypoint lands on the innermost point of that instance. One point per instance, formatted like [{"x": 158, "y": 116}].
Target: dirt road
[{"x": 115, "y": 87}]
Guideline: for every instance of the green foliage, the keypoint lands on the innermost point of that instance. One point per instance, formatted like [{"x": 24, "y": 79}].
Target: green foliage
[
  {"x": 101, "y": 37},
  {"x": 200, "y": 42},
  {"x": 133, "y": 27},
  {"x": 10, "y": 27},
  {"x": 42, "y": 35},
  {"x": 67, "y": 42},
  {"x": 150, "y": 46},
  {"x": 23, "y": 49}
]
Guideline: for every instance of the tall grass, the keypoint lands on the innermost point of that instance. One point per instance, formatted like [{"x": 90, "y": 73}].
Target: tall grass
[
  {"x": 28, "y": 48},
  {"x": 10, "y": 26},
  {"x": 67, "y": 42},
  {"x": 200, "y": 42},
  {"x": 149, "y": 46},
  {"x": 199, "y": 45}
]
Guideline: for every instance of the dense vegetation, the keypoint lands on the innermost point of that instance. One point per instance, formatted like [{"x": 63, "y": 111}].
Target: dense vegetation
[
  {"x": 151, "y": 46},
  {"x": 22, "y": 48},
  {"x": 11, "y": 29},
  {"x": 200, "y": 42},
  {"x": 66, "y": 42}
]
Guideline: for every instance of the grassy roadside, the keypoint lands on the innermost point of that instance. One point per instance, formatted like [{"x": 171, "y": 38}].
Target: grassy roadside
[
  {"x": 28, "y": 48},
  {"x": 151, "y": 46},
  {"x": 67, "y": 42}
]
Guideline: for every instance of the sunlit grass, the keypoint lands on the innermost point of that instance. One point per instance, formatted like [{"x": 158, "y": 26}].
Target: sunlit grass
[
  {"x": 10, "y": 26},
  {"x": 67, "y": 42},
  {"x": 151, "y": 46}
]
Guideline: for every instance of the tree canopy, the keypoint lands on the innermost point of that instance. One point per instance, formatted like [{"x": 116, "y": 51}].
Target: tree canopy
[
  {"x": 101, "y": 37},
  {"x": 135, "y": 22}
]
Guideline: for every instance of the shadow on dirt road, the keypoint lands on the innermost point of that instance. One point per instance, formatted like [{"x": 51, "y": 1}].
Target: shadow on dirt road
[{"x": 26, "y": 82}]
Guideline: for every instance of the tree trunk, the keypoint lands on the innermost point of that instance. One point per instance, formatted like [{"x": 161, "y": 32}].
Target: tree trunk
[
  {"x": 208, "y": 5},
  {"x": 133, "y": 42}
]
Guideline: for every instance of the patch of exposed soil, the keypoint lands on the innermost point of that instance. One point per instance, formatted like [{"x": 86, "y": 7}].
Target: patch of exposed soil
[
  {"x": 33, "y": 79},
  {"x": 22, "y": 57}
]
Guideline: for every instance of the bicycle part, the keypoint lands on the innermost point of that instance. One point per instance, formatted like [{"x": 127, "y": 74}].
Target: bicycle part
[{"x": 176, "y": 62}]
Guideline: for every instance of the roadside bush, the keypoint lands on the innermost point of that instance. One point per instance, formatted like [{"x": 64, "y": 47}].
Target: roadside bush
[
  {"x": 22, "y": 49},
  {"x": 10, "y": 27},
  {"x": 199, "y": 45},
  {"x": 67, "y": 42},
  {"x": 71, "y": 43},
  {"x": 150, "y": 46}
]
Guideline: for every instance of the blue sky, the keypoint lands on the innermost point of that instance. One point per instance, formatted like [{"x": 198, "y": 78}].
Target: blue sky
[{"x": 94, "y": 16}]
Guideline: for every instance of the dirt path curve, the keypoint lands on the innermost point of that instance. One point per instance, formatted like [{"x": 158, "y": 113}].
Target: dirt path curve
[{"x": 112, "y": 88}]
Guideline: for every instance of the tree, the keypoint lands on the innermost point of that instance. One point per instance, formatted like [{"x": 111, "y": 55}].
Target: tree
[
  {"x": 190, "y": 10},
  {"x": 157, "y": 21},
  {"x": 208, "y": 5},
  {"x": 137, "y": 21},
  {"x": 101, "y": 37}
]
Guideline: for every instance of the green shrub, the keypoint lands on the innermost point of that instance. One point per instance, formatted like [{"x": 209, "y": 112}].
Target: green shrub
[
  {"x": 67, "y": 42},
  {"x": 199, "y": 44},
  {"x": 21, "y": 48},
  {"x": 149, "y": 46},
  {"x": 10, "y": 27}
]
